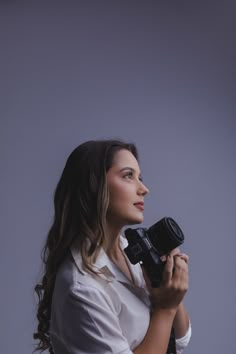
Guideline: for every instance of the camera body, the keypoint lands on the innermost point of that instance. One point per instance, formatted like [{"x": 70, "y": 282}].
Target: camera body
[{"x": 148, "y": 245}]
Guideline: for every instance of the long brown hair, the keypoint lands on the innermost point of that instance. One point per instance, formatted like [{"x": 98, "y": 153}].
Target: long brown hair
[{"x": 80, "y": 205}]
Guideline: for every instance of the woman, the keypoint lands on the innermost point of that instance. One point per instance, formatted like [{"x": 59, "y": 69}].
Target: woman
[{"x": 92, "y": 300}]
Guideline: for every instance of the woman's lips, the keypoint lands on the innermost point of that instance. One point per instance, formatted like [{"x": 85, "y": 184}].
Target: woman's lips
[{"x": 140, "y": 205}]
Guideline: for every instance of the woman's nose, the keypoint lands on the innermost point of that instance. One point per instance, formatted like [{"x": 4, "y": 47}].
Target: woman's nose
[{"x": 143, "y": 189}]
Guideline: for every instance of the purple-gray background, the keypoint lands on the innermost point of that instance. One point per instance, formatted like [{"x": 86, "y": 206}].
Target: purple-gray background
[{"x": 159, "y": 73}]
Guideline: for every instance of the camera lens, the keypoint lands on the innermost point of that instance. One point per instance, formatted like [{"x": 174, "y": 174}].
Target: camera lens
[{"x": 165, "y": 235}]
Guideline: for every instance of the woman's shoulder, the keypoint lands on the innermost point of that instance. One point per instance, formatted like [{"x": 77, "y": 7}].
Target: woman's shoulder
[
  {"x": 74, "y": 285},
  {"x": 73, "y": 277}
]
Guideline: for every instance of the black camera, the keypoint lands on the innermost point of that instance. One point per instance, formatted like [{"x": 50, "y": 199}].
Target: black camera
[{"x": 148, "y": 245}]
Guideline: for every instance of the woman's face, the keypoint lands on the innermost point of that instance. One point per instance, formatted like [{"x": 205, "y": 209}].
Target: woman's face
[{"x": 126, "y": 190}]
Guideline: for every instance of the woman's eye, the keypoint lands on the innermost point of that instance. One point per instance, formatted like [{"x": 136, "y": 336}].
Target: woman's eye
[{"x": 128, "y": 175}]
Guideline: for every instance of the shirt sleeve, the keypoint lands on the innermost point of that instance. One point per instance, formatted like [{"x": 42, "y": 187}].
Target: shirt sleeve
[
  {"x": 90, "y": 325},
  {"x": 181, "y": 343}
]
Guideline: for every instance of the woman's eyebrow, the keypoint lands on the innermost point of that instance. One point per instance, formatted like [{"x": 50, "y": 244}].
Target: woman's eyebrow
[{"x": 127, "y": 168}]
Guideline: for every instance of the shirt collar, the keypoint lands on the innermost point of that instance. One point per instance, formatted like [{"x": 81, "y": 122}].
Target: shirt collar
[{"x": 103, "y": 263}]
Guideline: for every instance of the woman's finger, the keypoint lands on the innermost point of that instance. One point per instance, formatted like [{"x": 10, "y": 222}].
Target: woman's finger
[
  {"x": 168, "y": 269},
  {"x": 183, "y": 256}
]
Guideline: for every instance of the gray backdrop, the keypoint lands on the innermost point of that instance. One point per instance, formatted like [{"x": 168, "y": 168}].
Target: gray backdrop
[{"x": 159, "y": 73}]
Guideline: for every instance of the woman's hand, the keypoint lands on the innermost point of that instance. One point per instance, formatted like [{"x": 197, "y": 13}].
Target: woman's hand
[
  {"x": 174, "y": 282},
  {"x": 166, "y": 301}
]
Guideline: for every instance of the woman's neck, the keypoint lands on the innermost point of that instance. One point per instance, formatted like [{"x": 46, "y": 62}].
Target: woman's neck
[{"x": 112, "y": 244}]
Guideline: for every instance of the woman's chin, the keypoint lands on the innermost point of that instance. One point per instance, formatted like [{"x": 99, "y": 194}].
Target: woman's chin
[{"x": 137, "y": 220}]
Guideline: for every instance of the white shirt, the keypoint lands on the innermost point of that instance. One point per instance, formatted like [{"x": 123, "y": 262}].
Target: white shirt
[{"x": 100, "y": 315}]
